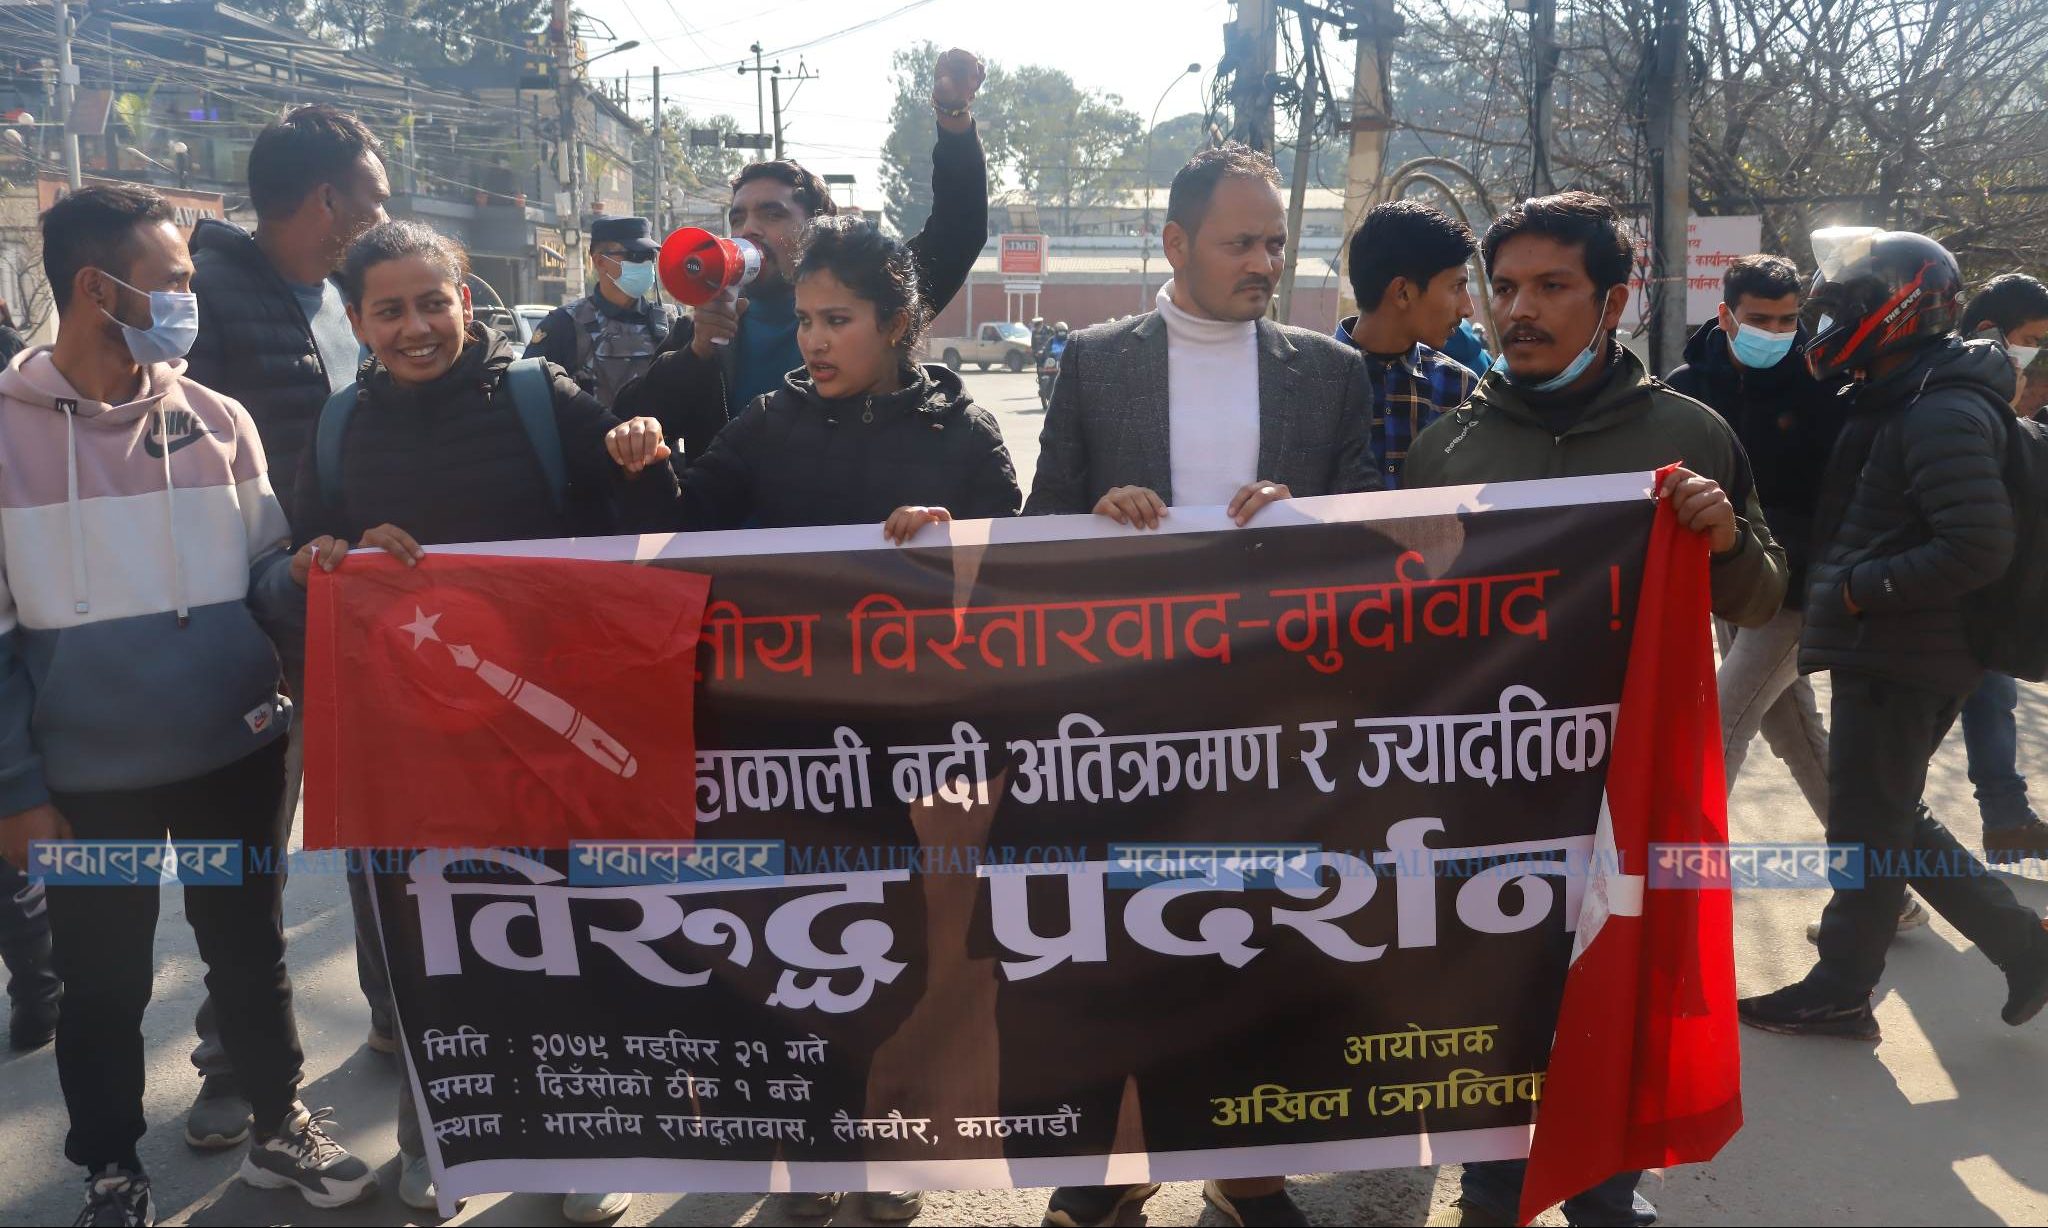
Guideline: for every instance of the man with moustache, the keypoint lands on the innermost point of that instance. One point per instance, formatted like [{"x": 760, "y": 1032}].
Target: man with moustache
[
  {"x": 1568, "y": 400},
  {"x": 730, "y": 351},
  {"x": 1202, "y": 402}
]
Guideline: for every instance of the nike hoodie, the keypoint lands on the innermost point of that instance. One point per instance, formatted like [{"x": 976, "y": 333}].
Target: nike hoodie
[{"x": 138, "y": 545}]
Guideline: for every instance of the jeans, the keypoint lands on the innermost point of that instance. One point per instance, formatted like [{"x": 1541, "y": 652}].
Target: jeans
[
  {"x": 1762, "y": 692},
  {"x": 1992, "y": 738},
  {"x": 1495, "y": 1187},
  {"x": 1885, "y": 733},
  {"x": 105, "y": 939}
]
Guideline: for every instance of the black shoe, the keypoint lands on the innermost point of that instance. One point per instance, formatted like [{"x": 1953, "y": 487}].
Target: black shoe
[
  {"x": 301, "y": 1157},
  {"x": 219, "y": 1118},
  {"x": 116, "y": 1197},
  {"x": 1092, "y": 1206},
  {"x": 1804, "y": 1009},
  {"x": 1259, "y": 1211},
  {"x": 2013, "y": 845},
  {"x": 2027, "y": 982},
  {"x": 32, "y": 1022},
  {"x": 810, "y": 1205},
  {"x": 892, "y": 1206}
]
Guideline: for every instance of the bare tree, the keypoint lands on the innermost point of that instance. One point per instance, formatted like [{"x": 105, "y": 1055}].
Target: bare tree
[{"x": 1928, "y": 115}]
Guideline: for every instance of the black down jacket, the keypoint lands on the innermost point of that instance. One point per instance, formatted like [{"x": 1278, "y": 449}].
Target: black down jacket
[
  {"x": 1913, "y": 516},
  {"x": 255, "y": 345},
  {"x": 795, "y": 458},
  {"x": 1787, "y": 422},
  {"x": 449, "y": 461}
]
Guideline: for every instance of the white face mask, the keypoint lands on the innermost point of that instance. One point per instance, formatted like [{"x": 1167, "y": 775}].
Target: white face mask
[{"x": 2024, "y": 355}]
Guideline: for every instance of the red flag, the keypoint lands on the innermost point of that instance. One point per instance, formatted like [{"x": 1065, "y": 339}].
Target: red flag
[
  {"x": 488, "y": 701},
  {"x": 1646, "y": 1069}
]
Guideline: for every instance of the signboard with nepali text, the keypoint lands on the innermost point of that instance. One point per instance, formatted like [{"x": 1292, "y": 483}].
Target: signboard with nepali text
[
  {"x": 187, "y": 207},
  {"x": 1044, "y": 851}
]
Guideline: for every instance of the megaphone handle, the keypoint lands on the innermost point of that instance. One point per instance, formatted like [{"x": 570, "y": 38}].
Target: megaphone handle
[{"x": 731, "y": 296}]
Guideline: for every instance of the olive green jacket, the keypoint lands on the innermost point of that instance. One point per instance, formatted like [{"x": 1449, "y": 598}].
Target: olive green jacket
[{"x": 1636, "y": 422}]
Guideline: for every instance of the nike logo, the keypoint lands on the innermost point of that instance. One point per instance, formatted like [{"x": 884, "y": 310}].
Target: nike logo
[{"x": 180, "y": 427}]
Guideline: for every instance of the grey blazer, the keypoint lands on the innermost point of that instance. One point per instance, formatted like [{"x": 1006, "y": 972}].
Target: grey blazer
[{"x": 1107, "y": 425}]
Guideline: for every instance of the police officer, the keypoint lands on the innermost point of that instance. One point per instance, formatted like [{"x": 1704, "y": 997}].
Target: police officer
[{"x": 607, "y": 338}]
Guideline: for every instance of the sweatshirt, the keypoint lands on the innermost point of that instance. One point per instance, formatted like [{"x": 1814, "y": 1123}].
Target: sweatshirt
[{"x": 137, "y": 544}]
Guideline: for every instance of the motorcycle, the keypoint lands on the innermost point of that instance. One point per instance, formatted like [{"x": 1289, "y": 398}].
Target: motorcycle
[{"x": 1048, "y": 371}]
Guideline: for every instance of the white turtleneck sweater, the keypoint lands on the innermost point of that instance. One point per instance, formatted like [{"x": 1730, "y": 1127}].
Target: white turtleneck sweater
[{"x": 1212, "y": 397}]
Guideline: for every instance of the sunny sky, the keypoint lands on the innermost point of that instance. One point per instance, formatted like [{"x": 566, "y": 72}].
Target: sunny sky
[{"x": 837, "y": 122}]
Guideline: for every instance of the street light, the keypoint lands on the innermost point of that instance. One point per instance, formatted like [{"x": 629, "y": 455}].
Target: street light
[
  {"x": 628, "y": 45},
  {"x": 1145, "y": 240}
]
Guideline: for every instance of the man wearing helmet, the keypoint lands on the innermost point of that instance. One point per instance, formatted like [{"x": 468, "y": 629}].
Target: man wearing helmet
[{"x": 1913, "y": 516}]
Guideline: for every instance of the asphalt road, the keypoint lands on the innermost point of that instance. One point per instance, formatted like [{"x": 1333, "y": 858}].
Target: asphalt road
[{"x": 1941, "y": 1123}]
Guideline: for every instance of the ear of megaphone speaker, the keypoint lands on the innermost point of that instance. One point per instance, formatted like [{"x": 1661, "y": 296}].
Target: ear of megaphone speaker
[{"x": 696, "y": 266}]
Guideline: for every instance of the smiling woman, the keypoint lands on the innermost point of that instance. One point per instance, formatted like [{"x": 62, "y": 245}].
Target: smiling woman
[{"x": 407, "y": 299}]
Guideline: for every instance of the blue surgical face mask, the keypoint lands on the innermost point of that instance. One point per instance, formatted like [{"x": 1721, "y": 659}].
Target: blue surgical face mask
[
  {"x": 1758, "y": 349},
  {"x": 635, "y": 280},
  {"x": 1564, "y": 378},
  {"x": 173, "y": 324}
]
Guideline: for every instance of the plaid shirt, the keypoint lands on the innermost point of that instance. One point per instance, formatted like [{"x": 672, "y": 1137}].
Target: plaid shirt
[{"x": 1407, "y": 395}]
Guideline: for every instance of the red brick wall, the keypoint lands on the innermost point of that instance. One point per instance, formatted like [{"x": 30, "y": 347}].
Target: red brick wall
[{"x": 1082, "y": 303}]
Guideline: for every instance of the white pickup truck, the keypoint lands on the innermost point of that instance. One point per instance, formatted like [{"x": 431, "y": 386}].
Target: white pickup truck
[{"x": 1006, "y": 344}]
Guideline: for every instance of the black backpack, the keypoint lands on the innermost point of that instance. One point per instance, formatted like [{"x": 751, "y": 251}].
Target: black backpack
[{"x": 2008, "y": 618}]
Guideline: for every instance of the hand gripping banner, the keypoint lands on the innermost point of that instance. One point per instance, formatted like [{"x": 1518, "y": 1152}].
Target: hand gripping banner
[{"x": 1045, "y": 851}]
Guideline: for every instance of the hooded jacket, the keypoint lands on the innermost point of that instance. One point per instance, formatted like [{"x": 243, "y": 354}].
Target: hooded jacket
[
  {"x": 1787, "y": 422},
  {"x": 1631, "y": 422},
  {"x": 1913, "y": 516},
  {"x": 797, "y": 458},
  {"x": 140, "y": 543},
  {"x": 255, "y": 345}
]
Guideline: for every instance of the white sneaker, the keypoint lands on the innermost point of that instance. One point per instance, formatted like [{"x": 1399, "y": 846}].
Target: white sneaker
[
  {"x": 416, "y": 1185},
  {"x": 594, "y": 1208}
]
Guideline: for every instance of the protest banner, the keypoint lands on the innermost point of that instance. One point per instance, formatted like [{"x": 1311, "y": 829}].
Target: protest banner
[{"x": 1048, "y": 852}]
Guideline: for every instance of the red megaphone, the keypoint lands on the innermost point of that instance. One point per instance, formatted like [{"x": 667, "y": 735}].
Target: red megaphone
[{"x": 696, "y": 266}]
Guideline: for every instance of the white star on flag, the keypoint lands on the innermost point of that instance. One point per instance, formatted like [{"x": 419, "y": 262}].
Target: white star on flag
[{"x": 421, "y": 628}]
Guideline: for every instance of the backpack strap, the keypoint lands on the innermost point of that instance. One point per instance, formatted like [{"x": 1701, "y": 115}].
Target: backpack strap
[
  {"x": 533, "y": 398},
  {"x": 327, "y": 439}
]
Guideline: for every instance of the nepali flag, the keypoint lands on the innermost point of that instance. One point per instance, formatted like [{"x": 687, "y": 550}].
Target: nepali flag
[
  {"x": 1646, "y": 1069},
  {"x": 499, "y": 701}
]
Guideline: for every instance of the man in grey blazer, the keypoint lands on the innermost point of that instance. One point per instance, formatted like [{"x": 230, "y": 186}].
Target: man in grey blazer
[
  {"x": 1206, "y": 389},
  {"x": 1204, "y": 402}
]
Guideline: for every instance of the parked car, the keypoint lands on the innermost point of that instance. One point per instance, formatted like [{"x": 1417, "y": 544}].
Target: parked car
[
  {"x": 1008, "y": 344},
  {"x": 529, "y": 316}
]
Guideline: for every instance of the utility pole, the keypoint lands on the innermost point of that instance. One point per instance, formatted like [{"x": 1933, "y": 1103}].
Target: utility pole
[
  {"x": 1253, "y": 43},
  {"x": 760, "y": 105},
  {"x": 1372, "y": 118},
  {"x": 660, "y": 187},
  {"x": 1544, "y": 54},
  {"x": 1304, "y": 155},
  {"x": 775, "y": 79},
  {"x": 1670, "y": 130},
  {"x": 569, "y": 158},
  {"x": 67, "y": 93}
]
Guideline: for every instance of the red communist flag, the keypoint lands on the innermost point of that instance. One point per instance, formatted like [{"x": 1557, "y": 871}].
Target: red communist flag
[
  {"x": 480, "y": 701},
  {"x": 1646, "y": 1067}
]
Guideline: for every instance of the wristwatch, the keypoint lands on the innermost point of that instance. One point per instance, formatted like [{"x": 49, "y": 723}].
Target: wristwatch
[{"x": 957, "y": 112}]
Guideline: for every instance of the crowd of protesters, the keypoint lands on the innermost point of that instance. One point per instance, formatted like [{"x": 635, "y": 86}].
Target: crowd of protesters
[{"x": 215, "y": 420}]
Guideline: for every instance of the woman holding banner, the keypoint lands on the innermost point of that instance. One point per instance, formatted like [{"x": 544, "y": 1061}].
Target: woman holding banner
[{"x": 860, "y": 433}]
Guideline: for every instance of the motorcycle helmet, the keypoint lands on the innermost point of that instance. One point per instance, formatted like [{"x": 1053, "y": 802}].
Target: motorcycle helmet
[{"x": 1877, "y": 292}]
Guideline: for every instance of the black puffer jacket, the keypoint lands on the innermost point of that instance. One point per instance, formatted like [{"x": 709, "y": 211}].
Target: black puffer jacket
[
  {"x": 1914, "y": 515},
  {"x": 1787, "y": 422},
  {"x": 692, "y": 396},
  {"x": 795, "y": 458},
  {"x": 255, "y": 345},
  {"x": 450, "y": 462}
]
